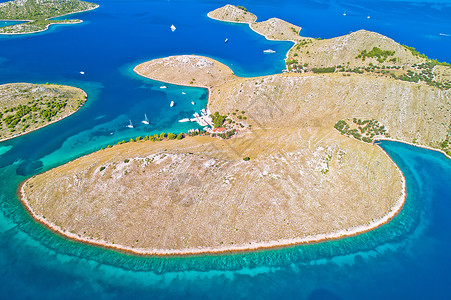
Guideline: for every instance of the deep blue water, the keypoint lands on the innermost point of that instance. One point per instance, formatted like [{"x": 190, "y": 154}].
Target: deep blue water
[
  {"x": 8, "y": 23},
  {"x": 408, "y": 258}
]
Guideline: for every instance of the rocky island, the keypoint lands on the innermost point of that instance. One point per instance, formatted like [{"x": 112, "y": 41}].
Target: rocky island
[
  {"x": 232, "y": 13},
  {"x": 25, "y": 107},
  {"x": 272, "y": 29},
  {"x": 38, "y": 14},
  {"x": 303, "y": 166}
]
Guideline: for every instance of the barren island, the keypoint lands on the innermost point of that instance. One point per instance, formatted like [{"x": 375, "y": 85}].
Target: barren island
[{"x": 300, "y": 163}]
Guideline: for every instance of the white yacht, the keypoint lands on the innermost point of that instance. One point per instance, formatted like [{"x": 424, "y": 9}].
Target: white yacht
[
  {"x": 130, "y": 125},
  {"x": 269, "y": 51},
  {"x": 192, "y": 102},
  {"x": 172, "y": 104},
  {"x": 163, "y": 87},
  {"x": 145, "y": 121},
  {"x": 173, "y": 28},
  {"x": 184, "y": 120}
]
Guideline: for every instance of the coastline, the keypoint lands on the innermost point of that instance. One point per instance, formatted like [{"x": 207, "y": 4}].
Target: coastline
[
  {"x": 412, "y": 144},
  {"x": 242, "y": 248},
  {"x": 256, "y": 246},
  {"x": 266, "y": 37},
  {"x": 226, "y": 249},
  {"x": 238, "y": 22},
  {"x": 48, "y": 25},
  {"x": 174, "y": 83},
  {"x": 54, "y": 121}
]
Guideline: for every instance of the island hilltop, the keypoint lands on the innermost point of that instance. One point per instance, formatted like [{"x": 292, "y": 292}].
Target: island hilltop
[
  {"x": 272, "y": 29},
  {"x": 301, "y": 166},
  {"x": 25, "y": 107},
  {"x": 38, "y": 14}
]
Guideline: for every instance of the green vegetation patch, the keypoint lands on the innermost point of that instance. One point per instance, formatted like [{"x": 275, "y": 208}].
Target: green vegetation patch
[
  {"x": 242, "y": 7},
  {"x": 39, "y": 13},
  {"x": 380, "y": 54},
  {"x": 362, "y": 130},
  {"x": 445, "y": 145},
  {"x": 324, "y": 70},
  {"x": 424, "y": 72},
  {"x": 24, "y": 107},
  {"x": 218, "y": 119}
]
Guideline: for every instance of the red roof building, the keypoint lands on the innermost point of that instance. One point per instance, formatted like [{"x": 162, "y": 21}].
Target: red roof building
[{"x": 219, "y": 130}]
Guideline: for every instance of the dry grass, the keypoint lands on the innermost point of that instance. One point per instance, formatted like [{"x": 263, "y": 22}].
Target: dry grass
[
  {"x": 277, "y": 29},
  {"x": 343, "y": 49},
  {"x": 303, "y": 179},
  {"x": 199, "y": 194},
  {"x": 231, "y": 13}
]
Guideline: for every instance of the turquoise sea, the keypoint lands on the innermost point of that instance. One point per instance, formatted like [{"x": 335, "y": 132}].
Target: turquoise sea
[{"x": 408, "y": 258}]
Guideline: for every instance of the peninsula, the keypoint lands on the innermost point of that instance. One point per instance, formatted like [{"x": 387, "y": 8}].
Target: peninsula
[
  {"x": 302, "y": 168},
  {"x": 37, "y": 14},
  {"x": 25, "y": 107}
]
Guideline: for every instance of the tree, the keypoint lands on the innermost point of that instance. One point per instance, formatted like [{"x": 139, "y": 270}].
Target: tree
[
  {"x": 162, "y": 135},
  {"x": 180, "y": 136},
  {"x": 171, "y": 136},
  {"x": 218, "y": 120}
]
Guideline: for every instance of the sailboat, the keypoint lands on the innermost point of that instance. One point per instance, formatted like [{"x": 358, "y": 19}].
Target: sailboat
[
  {"x": 130, "y": 125},
  {"x": 172, "y": 104},
  {"x": 145, "y": 121},
  {"x": 226, "y": 40},
  {"x": 173, "y": 28}
]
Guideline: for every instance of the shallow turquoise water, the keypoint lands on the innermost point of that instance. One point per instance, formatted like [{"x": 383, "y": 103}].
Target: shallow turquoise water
[{"x": 408, "y": 258}]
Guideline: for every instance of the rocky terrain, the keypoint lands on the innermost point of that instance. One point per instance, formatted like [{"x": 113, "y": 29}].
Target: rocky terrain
[
  {"x": 277, "y": 29},
  {"x": 198, "y": 194},
  {"x": 367, "y": 52},
  {"x": 232, "y": 13},
  {"x": 303, "y": 168},
  {"x": 197, "y": 71},
  {"x": 303, "y": 180},
  {"x": 272, "y": 29}
]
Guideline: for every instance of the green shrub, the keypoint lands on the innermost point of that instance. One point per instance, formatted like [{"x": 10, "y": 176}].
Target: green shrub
[
  {"x": 324, "y": 70},
  {"x": 218, "y": 119}
]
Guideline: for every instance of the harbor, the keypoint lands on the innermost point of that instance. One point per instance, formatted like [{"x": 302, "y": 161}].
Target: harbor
[{"x": 203, "y": 119}]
